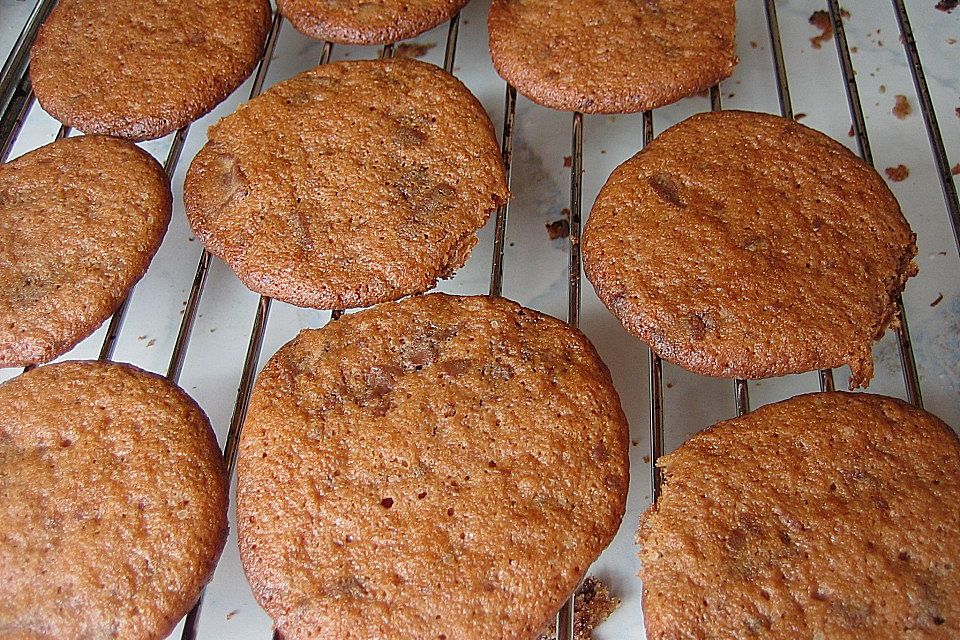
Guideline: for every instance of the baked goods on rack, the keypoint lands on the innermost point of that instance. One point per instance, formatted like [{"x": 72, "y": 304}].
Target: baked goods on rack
[
  {"x": 349, "y": 184},
  {"x": 367, "y": 21},
  {"x": 747, "y": 245},
  {"x": 141, "y": 69},
  {"x": 80, "y": 220},
  {"x": 829, "y": 515},
  {"x": 113, "y": 503},
  {"x": 438, "y": 467},
  {"x": 612, "y": 56}
]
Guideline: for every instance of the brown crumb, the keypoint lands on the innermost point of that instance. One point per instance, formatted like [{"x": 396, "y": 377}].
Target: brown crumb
[
  {"x": 898, "y": 173},
  {"x": 844, "y": 14},
  {"x": 753, "y": 45},
  {"x": 883, "y": 88},
  {"x": 951, "y": 41},
  {"x": 233, "y": 614},
  {"x": 151, "y": 342},
  {"x": 567, "y": 161},
  {"x": 413, "y": 49},
  {"x": 646, "y": 459},
  {"x": 669, "y": 385},
  {"x": 559, "y": 228},
  {"x": 955, "y": 169},
  {"x": 634, "y": 442},
  {"x": 854, "y": 50},
  {"x": 799, "y": 116},
  {"x": 957, "y": 111},
  {"x": 850, "y": 132},
  {"x": 821, "y": 20},
  {"x": 947, "y": 5},
  {"x": 901, "y": 107},
  {"x": 593, "y": 605},
  {"x": 938, "y": 300}
]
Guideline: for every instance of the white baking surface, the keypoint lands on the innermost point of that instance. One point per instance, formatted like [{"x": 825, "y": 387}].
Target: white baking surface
[{"x": 535, "y": 268}]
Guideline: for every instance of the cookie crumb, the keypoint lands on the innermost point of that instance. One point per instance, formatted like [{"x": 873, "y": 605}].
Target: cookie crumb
[
  {"x": 646, "y": 459},
  {"x": 233, "y": 614},
  {"x": 955, "y": 169},
  {"x": 844, "y": 13},
  {"x": 567, "y": 161},
  {"x": 957, "y": 111},
  {"x": 883, "y": 88},
  {"x": 821, "y": 20},
  {"x": 594, "y": 604},
  {"x": 850, "y": 132},
  {"x": 558, "y": 228},
  {"x": 413, "y": 49},
  {"x": 151, "y": 342},
  {"x": 947, "y": 5},
  {"x": 938, "y": 300},
  {"x": 902, "y": 108},
  {"x": 898, "y": 173},
  {"x": 753, "y": 44},
  {"x": 800, "y": 116},
  {"x": 634, "y": 442}
]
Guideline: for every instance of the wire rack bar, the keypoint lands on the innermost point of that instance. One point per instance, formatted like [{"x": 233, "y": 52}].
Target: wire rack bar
[
  {"x": 13, "y": 118},
  {"x": 908, "y": 362},
  {"x": 929, "y": 118},
  {"x": 15, "y": 68},
  {"x": 116, "y": 321},
  {"x": 502, "y": 215}
]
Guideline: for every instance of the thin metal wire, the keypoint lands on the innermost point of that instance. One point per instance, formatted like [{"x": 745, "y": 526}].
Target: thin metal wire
[
  {"x": 387, "y": 52},
  {"x": 15, "y": 68},
  {"x": 116, "y": 321},
  {"x": 908, "y": 362},
  {"x": 502, "y": 215},
  {"x": 192, "y": 620},
  {"x": 13, "y": 119},
  {"x": 450, "y": 53},
  {"x": 786, "y": 110},
  {"x": 179, "y": 353},
  {"x": 929, "y": 118}
]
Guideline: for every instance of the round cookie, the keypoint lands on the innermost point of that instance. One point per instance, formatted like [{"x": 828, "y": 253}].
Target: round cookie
[
  {"x": 141, "y": 69},
  {"x": 612, "y": 56},
  {"x": 113, "y": 497},
  {"x": 439, "y": 467},
  {"x": 367, "y": 21},
  {"x": 747, "y": 245},
  {"x": 347, "y": 185},
  {"x": 824, "y": 516},
  {"x": 80, "y": 219}
]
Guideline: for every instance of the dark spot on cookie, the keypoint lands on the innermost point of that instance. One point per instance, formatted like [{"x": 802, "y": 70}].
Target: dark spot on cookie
[
  {"x": 600, "y": 453},
  {"x": 386, "y": 503},
  {"x": 456, "y": 368},
  {"x": 421, "y": 352},
  {"x": 700, "y": 324},
  {"x": 666, "y": 187}
]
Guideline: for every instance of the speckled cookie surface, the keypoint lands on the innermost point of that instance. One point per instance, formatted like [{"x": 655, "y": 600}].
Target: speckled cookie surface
[
  {"x": 747, "y": 245},
  {"x": 367, "y": 21},
  {"x": 113, "y": 503},
  {"x": 80, "y": 220},
  {"x": 143, "y": 68},
  {"x": 347, "y": 185},
  {"x": 829, "y": 516},
  {"x": 439, "y": 467},
  {"x": 612, "y": 56}
]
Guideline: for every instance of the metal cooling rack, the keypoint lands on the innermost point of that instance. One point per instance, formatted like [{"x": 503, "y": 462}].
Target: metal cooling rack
[{"x": 208, "y": 367}]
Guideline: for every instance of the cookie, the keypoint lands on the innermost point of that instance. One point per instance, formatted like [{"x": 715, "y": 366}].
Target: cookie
[
  {"x": 367, "y": 21},
  {"x": 141, "y": 69},
  {"x": 612, "y": 56},
  {"x": 747, "y": 245},
  {"x": 442, "y": 467},
  {"x": 113, "y": 497},
  {"x": 80, "y": 220},
  {"x": 824, "y": 516},
  {"x": 347, "y": 185}
]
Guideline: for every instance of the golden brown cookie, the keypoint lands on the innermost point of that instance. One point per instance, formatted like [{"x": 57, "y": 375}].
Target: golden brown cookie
[
  {"x": 113, "y": 503},
  {"x": 440, "y": 467},
  {"x": 80, "y": 220},
  {"x": 141, "y": 69},
  {"x": 747, "y": 245},
  {"x": 824, "y": 516},
  {"x": 367, "y": 21},
  {"x": 612, "y": 56},
  {"x": 347, "y": 185}
]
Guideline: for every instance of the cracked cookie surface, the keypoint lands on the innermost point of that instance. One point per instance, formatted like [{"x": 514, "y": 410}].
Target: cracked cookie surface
[
  {"x": 438, "y": 467},
  {"x": 113, "y": 503},
  {"x": 612, "y": 56},
  {"x": 141, "y": 69},
  {"x": 829, "y": 516},
  {"x": 746, "y": 245},
  {"x": 347, "y": 185},
  {"x": 81, "y": 219},
  {"x": 367, "y": 21}
]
